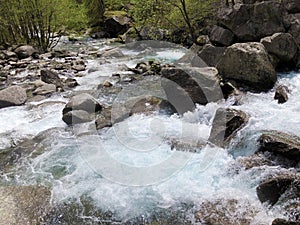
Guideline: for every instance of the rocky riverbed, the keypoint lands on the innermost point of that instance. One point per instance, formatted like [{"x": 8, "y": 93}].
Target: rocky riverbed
[{"x": 96, "y": 132}]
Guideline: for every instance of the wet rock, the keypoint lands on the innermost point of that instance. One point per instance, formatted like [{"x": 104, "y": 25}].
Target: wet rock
[
  {"x": 251, "y": 22},
  {"x": 77, "y": 116},
  {"x": 221, "y": 36},
  {"x": 282, "y": 45},
  {"x": 24, "y": 204},
  {"x": 248, "y": 64},
  {"x": 281, "y": 145},
  {"x": 211, "y": 55},
  {"x": 12, "y": 96},
  {"x": 187, "y": 145},
  {"x": 51, "y": 77},
  {"x": 284, "y": 222},
  {"x": 226, "y": 123},
  {"x": 26, "y": 51},
  {"x": 281, "y": 94},
  {"x": 271, "y": 189},
  {"x": 83, "y": 102},
  {"x": 45, "y": 89},
  {"x": 186, "y": 86}
]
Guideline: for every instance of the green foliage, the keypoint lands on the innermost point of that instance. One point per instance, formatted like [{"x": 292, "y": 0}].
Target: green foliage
[
  {"x": 36, "y": 22},
  {"x": 95, "y": 10},
  {"x": 171, "y": 14}
]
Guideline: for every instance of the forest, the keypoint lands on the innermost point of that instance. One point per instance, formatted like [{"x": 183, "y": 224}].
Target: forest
[{"x": 37, "y": 22}]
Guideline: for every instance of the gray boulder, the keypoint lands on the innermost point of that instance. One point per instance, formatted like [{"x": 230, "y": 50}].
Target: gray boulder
[
  {"x": 248, "y": 64},
  {"x": 12, "y": 96},
  {"x": 25, "y": 51},
  {"x": 251, "y": 22},
  {"x": 282, "y": 45},
  {"x": 83, "y": 102},
  {"x": 221, "y": 36},
  {"x": 226, "y": 123},
  {"x": 211, "y": 55}
]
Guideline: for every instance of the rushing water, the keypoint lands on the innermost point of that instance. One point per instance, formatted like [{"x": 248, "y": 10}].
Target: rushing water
[{"x": 79, "y": 161}]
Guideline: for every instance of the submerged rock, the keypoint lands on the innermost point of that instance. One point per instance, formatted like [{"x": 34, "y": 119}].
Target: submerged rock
[
  {"x": 225, "y": 211},
  {"x": 284, "y": 148},
  {"x": 24, "y": 204},
  {"x": 248, "y": 64},
  {"x": 225, "y": 125},
  {"x": 12, "y": 96},
  {"x": 281, "y": 94}
]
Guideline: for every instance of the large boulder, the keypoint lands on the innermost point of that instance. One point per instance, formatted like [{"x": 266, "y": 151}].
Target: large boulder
[
  {"x": 26, "y": 51},
  {"x": 251, "y": 22},
  {"x": 80, "y": 109},
  {"x": 282, "y": 45},
  {"x": 221, "y": 36},
  {"x": 12, "y": 96},
  {"x": 281, "y": 146},
  {"x": 226, "y": 123},
  {"x": 211, "y": 55},
  {"x": 186, "y": 86},
  {"x": 51, "y": 77},
  {"x": 248, "y": 64},
  {"x": 84, "y": 102}
]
